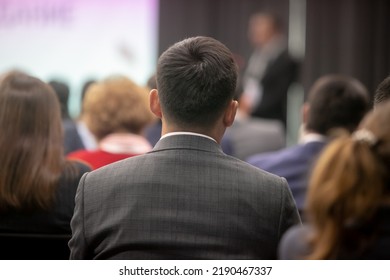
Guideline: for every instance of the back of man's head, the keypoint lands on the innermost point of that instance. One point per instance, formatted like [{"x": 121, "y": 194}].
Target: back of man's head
[
  {"x": 336, "y": 101},
  {"x": 382, "y": 93},
  {"x": 196, "y": 80}
]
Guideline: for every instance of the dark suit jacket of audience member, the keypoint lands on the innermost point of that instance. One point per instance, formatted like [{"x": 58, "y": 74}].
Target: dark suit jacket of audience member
[
  {"x": 294, "y": 243},
  {"x": 279, "y": 75},
  {"x": 293, "y": 163},
  {"x": 72, "y": 139},
  {"x": 55, "y": 220},
  {"x": 153, "y": 134},
  {"x": 183, "y": 200}
]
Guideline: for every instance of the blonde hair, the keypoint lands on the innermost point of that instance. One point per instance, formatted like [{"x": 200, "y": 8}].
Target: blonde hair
[
  {"x": 116, "y": 105},
  {"x": 347, "y": 186}
]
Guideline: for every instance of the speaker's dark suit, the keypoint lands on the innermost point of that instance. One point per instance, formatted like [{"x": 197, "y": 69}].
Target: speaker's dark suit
[
  {"x": 184, "y": 200},
  {"x": 280, "y": 73}
]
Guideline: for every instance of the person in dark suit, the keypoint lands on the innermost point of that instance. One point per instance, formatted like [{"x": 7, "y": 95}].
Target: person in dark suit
[
  {"x": 334, "y": 102},
  {"x": 270, "y": 70},
  {"x": 348, "y": 198},
  {"x": 72, "y": 140},
  {"x": 252, "y": 135},
  {"x": 185, "y": 199}
]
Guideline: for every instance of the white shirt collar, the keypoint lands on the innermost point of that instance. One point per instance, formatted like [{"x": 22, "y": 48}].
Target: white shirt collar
[
  {"x": 312, "y": 137},
  {"x": 187, "y": 133}
]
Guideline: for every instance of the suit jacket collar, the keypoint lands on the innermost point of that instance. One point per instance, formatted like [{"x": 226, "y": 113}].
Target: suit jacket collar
[
  {"x": 191, "y": 142},
  {"x": 313, "y": 137}
]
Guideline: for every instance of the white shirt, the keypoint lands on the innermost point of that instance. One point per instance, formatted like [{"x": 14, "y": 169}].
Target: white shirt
[
  {"x": 257, "y": 65},
  {"x": 187, "y": 133},
  {"x": 312, "y": 137}
]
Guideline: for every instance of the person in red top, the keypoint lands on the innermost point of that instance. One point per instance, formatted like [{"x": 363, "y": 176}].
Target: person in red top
[{"x": 116, "y": 111}]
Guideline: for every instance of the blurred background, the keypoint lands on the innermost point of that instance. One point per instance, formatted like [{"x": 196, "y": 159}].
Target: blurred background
[{"x": 78, "y": 40}]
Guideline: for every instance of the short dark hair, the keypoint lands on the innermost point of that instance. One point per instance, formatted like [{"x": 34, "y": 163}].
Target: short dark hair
[
  {"x": 196, "y": 79},
  {"x": 382, "y": 92},
  {"x": 337, "y": 101}
]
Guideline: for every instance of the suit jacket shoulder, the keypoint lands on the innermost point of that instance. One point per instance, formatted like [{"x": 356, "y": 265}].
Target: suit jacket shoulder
[
  {"x": 294, "y": 163},
  {"x": 278, "y": 160}
]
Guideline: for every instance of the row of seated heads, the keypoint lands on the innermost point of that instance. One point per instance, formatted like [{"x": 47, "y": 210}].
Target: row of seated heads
[
  {"x": 118, "y": 105},
  {"x": 32, "y": 142},
  {"x": 34, "y": 139},
  {"x": 350, "y": 181},
  {"x": 32, "y": 134},
  {"x": 114, "y": 104}
]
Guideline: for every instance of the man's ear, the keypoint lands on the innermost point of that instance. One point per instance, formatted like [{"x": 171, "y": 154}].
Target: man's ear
[
  {"x": 154, "y": 103},
  {"x": 230, "y": 113}
]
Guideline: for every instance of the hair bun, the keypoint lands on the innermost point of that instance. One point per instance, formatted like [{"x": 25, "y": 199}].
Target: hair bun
[{"x": 366, "y": 136}]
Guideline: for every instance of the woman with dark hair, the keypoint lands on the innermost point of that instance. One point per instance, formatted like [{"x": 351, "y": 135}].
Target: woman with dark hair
[
  {"x": 37, "y": 183},
  {"x": 348, "y": 203}
]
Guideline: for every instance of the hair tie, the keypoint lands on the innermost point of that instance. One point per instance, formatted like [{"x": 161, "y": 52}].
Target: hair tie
[{"x": 366, "y": 136}]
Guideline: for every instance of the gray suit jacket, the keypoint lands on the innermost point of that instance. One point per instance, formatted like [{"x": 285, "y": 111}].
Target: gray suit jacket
[
  {"x": 185, "y": 199},
  {"x": 253, "y": 135}
]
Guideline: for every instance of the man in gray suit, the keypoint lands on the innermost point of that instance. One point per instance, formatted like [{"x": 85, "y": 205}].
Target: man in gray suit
[{"x": 185, "y": 199}]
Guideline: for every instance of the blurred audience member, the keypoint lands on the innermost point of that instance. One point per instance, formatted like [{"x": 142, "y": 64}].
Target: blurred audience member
[
  {"x": 72, "y": 140},
  {"x": 116, "y": 111},
  {"x": 251, "y": 135},
  {"x": 88, "y": 139},
  {"x": 37, "y": 184},
  {"x": 84, "y": 90},
  {"x": 348, "y": 198},
  {"x": 382, "y": 92},
  {"x": 270, "y": 69},
  {"x": 186, "y": 199},
  {"x": 334, "y": 102}
]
